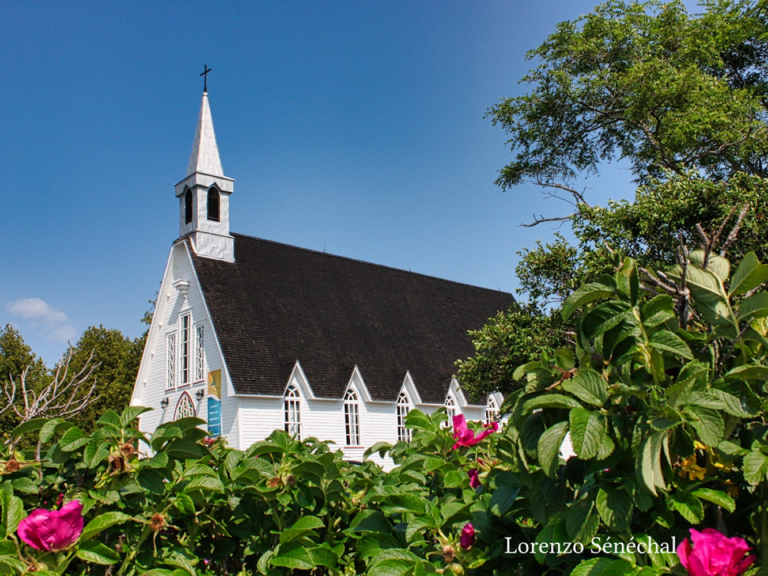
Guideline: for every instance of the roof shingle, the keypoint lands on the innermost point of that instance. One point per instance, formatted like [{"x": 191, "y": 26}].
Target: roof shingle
[{"x": 277, "y": 304}]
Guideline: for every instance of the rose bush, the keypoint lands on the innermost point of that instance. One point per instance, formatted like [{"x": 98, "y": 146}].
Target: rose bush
[{"x": 665, "y": 408}]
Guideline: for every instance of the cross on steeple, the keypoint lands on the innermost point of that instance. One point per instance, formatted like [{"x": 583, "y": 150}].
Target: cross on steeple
[{"x": 205, "y": 76}]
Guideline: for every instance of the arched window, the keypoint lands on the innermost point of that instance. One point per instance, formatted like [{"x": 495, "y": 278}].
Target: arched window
[
  {"x": 352, "y": 417},
  {"x": 293, "y": 411},
  {"x": 450, "y": 408},
  {"x": 491, "y": 411},
  {"x": 187, "y": 206},
  {"x": 185, "y": 407},
  {"x": 403, "y": 407},
  {"x": 213, "y": 204}
]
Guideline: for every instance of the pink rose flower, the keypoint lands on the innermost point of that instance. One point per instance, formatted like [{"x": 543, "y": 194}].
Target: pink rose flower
[
  {"x": 467, "y": 538},
  {"x": 466, "y": 437},
  {"x": 53, "y": 530},
  {"x": 713, "y": 554},
  {"x": 474, "y": 478}
]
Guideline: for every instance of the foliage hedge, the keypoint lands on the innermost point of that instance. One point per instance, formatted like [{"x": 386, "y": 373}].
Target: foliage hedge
[{"x": 665, "y": 407}]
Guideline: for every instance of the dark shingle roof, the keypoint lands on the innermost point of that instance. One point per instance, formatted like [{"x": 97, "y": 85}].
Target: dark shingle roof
[{"x": 277, "y": 304}]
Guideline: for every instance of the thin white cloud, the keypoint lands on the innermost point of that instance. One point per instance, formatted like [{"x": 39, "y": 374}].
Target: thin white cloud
[{"x": 40, "y": 314}]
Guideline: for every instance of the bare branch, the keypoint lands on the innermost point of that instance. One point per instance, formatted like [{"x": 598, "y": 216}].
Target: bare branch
[
  {"x": 541, "y": 219},
  {"x": 65, "y": 396},
  {"x": 735, "y": 230}
]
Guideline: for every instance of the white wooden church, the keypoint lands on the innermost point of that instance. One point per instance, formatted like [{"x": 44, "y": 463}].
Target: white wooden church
[{"x": 252, "y": 335}]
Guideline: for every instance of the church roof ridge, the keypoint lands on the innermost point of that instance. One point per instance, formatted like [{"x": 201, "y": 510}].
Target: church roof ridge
[
  {"x": 205, "y": 152},
  {"x": 367, "y": 263}
]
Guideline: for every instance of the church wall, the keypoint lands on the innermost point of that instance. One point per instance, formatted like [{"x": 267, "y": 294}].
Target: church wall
[
  {"x": 171, "y": 305},
  {"x": 259, "y": 417}
]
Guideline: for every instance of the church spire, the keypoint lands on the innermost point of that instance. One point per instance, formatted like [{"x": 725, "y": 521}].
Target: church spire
[
  {"x": 204, "y": 194},
  {"x": 205, "y": 153}
]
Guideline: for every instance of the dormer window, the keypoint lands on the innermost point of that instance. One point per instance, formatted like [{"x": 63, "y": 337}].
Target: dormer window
[
  {"x": 213, "y": 204},
  {"x": 187, "y": 206}
]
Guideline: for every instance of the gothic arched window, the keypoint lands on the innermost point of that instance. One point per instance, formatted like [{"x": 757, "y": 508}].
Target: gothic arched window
[
  {"x": 450, "y": 408},
  {"x": 403, "y": 407},
  {"x": 293, "y": 411},
  {"x": 352, "y": 417},
  {"x": 185, "y": 408},
  {"x": 213, "y": 204},
  {"x": 491, "y": 411},
  {"x": 187, "y": 206}
]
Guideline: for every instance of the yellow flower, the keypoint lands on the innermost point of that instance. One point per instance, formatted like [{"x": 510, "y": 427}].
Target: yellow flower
[{"x": 694, "y": 471}]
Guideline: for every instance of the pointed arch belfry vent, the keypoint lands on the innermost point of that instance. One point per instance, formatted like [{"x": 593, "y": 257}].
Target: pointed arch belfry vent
[{"x": 204, "y": 216}]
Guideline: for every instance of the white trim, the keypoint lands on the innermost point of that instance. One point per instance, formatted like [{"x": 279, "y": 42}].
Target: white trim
[
  {"x": 401, "y": 415},
  {"x": 225, "y": 369},
  {"x": 352, "y": 429},
  {"x": 155, "y": 327}
]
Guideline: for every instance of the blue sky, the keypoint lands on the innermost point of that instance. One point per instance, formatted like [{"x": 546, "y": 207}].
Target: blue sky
[{"x": 354, "y": 127}]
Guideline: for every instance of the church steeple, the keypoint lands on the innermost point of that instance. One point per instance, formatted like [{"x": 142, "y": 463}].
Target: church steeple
[
  {"x": 204, "y": 194},
  {"x": 205, "y": 152}
]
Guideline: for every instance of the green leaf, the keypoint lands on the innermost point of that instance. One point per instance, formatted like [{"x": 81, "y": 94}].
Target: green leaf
[
  {"x": 603, "y": 317},
  {"x": 102, "y": 522},
  {"x": 748, "y": 276},
  {"x": 73, "y": 439},
  {"x": 587, "y": 431},
  {"x": 28, "y": 426},
  {"x": 708, "y": 424},
  {"x": 110, "y": 419},
  {"x": 370, "y": 521},
  {"x": 718, "y": 265},
  {"x": 50, "y": 428},
  {"x": 549, "y": 447},
  {"x": 305, "y": 525},
  {"x": 12, "y": 511},
  {"x": 588, "y": 386},
  {"x": 204, "y": 483},
  {"x": 14, "y": 564},
  {"x": 716, "y": 497},
  {"x": 615, "y": 508},
  {"x": 565, "y": 359},
  {"x": 648, "y": 464},
  {"x": 755, "y": 467},
  {"x": 582, "y": 521},
  {"x": 756, "y": 306},
  {"x": 97, "y": 553},
  {"x": 688, "y": 506},
  {"x": 130, "y": 413},
  {"x": 400, "y": 503},
  {"x": 391, "y": 568},
  {"x": 627, "y": 282},
  {"x": 705, "y": 287},
  {"x": 658, "y": 310},
  {"x": 603, "y": 567},
  {"x": 733, "y": 405},
  {"x": 95, "y": 453},
  {"x": 549, "y": 401},
  {"x": 584, "y": 295},
  {"x": 748, "y": 372},
  {"x": 506, "y": 493},
  {"x": 418, "y": 420},
  {"x": 666, "y": 341}
]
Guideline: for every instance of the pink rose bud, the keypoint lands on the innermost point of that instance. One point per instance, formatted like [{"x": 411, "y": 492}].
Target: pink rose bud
[
  {"x": 713, "y": 554},
  {"x": 467, "y": 536},
  {"x": 474, "y": 478},
  {"x": 53, "y": 530}
]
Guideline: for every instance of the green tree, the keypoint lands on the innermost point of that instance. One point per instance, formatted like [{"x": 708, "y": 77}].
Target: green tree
[
  {"x": 117, "y": 358},
  {"x": 683, "y": 98},
  {"x": 648, "y": 82},
  {"x": 15, "y": 357}
]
